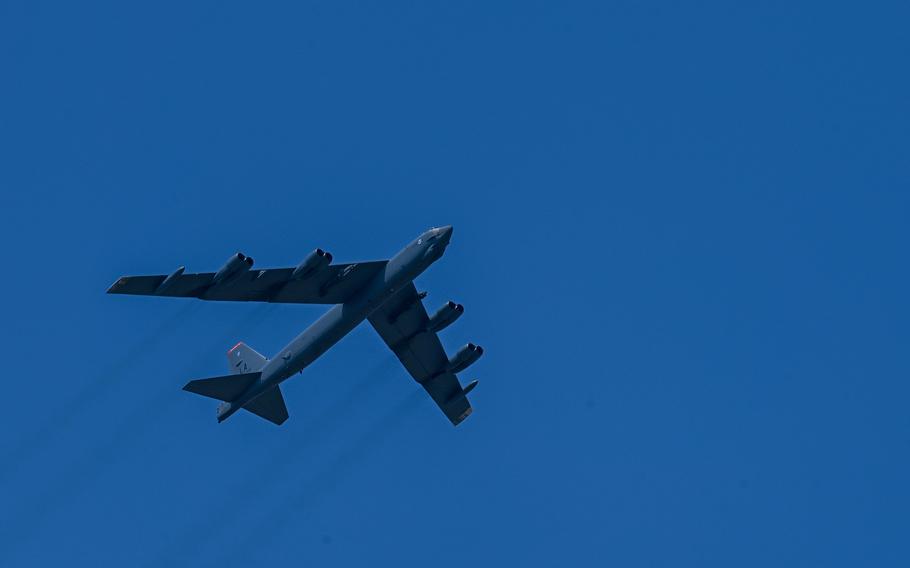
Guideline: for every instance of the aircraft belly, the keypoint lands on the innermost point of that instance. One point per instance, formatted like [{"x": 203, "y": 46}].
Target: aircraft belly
[{"x": 323, "y": 334}]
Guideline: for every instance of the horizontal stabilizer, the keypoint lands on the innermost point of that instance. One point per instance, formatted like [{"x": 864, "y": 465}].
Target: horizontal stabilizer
[
  {"x": 269, "y": 405},
  {"x": 225, "y": 388}
]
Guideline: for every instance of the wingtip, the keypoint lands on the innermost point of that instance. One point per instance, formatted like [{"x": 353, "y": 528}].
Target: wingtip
[
  {"x": 112, "y": 289},
  {"x": 462, "y": 418}
]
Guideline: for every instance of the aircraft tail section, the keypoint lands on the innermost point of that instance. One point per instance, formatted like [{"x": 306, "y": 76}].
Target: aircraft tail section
[
  {"x": 269, "y": 405},
  {"x": 244, "y": 359},
  {"x": 225, "y": 388},
  {"x": 246, "y": 368}
]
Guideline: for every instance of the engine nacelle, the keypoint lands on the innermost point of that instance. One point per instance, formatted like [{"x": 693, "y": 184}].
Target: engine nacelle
[
  {"x": 234, "y": 267},
  {"x": 465, "y": 357},
  {"x": 314, "y": 262},
  {"x": 445, "y": 316}
]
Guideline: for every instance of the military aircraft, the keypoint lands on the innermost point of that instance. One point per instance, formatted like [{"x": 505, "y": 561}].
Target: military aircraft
[{"x": 380, "y": 291}]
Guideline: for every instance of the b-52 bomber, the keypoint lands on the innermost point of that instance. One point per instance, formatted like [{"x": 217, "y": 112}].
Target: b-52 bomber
[{"x": 380, "y": 291}]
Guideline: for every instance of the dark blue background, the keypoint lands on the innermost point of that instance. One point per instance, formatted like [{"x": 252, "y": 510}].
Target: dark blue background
[{"x": 680, "y": 233}]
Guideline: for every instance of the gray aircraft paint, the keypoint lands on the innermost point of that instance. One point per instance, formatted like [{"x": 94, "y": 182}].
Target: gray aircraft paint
[
  {"x": 381, "y": 291},
  {"x": 328, "y": 330}
]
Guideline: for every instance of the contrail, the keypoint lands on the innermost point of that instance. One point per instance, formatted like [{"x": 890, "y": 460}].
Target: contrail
[
  {"x": 251, "y": 487},
  {"x": 62, "y": 419},
  {"x": 136, "y": 423},
  {"x": 267, "y": 528}
]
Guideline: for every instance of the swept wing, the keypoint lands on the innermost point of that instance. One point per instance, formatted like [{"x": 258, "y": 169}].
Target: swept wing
[
  {"x": 333, "y": 284},
  {"x": 403, "y": 323}
]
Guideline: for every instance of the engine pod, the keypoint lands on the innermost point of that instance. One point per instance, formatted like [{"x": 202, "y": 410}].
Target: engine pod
[
  {"x": 465, "y": 357},
  {"x": 315, "y": 261},
  {"x": 235, "y": 266},
  {"x": 445, "y": 316}
]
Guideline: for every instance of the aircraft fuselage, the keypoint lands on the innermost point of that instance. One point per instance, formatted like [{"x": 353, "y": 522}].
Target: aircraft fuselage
[{"x": 326, "y": 331}]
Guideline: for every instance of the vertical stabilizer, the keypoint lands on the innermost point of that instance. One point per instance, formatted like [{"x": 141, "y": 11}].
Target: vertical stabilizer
[{"x": 244, "y": 359}]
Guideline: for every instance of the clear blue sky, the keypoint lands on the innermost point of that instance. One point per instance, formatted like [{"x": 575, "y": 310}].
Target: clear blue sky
[{"x": 680, "y": 233}]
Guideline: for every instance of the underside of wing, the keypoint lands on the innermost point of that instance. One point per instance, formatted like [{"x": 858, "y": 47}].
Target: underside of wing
[
  {"x": 410, "y": 332},
  {"x": 186, "y": 285},
  {"x": 332, "y": 284}
]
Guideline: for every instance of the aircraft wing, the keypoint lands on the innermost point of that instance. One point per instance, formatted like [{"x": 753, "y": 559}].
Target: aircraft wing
[
  {"x": 332, "y": 285},
  {"x": 401, "y": 322}
]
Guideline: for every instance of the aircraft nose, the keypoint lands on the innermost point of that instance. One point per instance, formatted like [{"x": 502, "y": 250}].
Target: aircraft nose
[{"x": 446, "y": 232}]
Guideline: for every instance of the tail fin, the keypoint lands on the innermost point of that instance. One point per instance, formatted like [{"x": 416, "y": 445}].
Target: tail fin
[{"x": 244, "y": 359}]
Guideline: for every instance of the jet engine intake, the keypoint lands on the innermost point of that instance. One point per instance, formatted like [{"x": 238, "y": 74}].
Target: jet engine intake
[
  {"x": 234, "y": 267},
  {"x": 445, "y": 316},
  {"x": 466, "y": 356},
  {"x": 314, "y": 262}
]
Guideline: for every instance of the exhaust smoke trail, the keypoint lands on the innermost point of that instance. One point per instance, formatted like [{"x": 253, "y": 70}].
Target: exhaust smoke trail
[
  {"x": 75, "y": 406},
  {"x": 269, "y": 527},
  {"x": 252, "y": 487},
  {"x": 137, "y": 422}
]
